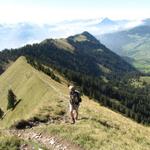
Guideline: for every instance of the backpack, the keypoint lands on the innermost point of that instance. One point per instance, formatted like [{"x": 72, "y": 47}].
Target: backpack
[{"x": 76, "y": 99}]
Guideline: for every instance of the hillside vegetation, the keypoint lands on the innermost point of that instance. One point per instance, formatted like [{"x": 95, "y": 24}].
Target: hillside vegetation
[{"x": 97, "y": 127}]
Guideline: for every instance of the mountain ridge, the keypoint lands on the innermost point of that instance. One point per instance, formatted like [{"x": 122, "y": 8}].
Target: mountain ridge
[
  {"x": 31, "y": 82},
  {"x": 97, "y": 128},
  {"x": 86, "y": 36},
  {"x": 88, "y": 53}
]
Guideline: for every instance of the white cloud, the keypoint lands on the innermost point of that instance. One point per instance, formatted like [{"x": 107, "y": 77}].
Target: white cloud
[
  {"x": 13, "y": 13},
  {"x": 133, "y": 23},
  {"x": 39, "y": 15}
]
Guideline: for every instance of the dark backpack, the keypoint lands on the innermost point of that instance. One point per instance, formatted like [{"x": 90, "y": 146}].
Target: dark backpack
[{"x": 76, "y": 99}]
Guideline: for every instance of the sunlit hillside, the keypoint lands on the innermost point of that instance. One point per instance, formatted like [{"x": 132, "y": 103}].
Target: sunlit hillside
[{"x": 98, "y": 128}]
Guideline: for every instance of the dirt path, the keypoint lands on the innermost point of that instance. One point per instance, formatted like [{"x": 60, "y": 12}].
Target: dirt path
[{"x": 50, "y": 142}]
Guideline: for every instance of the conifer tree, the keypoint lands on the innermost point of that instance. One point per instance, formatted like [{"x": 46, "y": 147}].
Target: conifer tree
[
  {"x": 11, "y": 99},
  {"x": 1, "y": 113}
]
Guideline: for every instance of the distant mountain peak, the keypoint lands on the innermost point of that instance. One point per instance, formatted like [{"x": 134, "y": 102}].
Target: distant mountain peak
[
  {"x": 87, "y": 34},
  {"x": 107, "y": 21},
  {"x": 84, "y": 36}
]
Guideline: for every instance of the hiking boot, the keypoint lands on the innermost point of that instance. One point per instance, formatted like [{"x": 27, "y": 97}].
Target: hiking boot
[
  {"x": 73, "y": 121},
  {"x": 76, "y": 118}
]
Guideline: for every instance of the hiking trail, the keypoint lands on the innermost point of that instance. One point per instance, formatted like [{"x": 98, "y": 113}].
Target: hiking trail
[{"x": 50, "y": 142}]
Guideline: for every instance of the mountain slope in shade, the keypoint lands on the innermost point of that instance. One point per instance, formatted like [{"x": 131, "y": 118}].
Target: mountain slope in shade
[
  {"x": 133, "y": 43},
  {"x": 147, "y": 21}
]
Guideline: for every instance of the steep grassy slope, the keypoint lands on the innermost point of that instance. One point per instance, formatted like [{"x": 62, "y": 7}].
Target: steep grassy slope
[
  {"x": 133, "y": 43},
  {"x": 35, "y": 90},
  {"x": 97, "y": 127}
]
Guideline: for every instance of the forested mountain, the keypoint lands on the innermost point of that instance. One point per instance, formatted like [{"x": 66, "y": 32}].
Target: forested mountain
[
  {"x": 133, "y": 44},
  {"x": 82, "y": 53},
  {"x": 100, "y": 73}
]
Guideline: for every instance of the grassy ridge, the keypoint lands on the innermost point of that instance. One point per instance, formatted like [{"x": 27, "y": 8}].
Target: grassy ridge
[{"x": 33, "y": 88}]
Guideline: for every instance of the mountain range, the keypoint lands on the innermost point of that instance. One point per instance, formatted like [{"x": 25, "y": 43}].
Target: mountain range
[
  {"x": 17, "y": 35},
  {"x": 81, "y": 52}
]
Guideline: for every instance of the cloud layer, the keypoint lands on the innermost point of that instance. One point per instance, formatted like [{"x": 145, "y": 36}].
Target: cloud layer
[{"x": 16, "y": 35}]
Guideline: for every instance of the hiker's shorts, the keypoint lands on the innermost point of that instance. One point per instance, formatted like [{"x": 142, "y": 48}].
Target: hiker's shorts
[{"x": 73, "y": 107}]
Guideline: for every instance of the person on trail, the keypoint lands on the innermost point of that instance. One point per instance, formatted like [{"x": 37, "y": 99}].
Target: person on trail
[{"x": 74, "y": 103}]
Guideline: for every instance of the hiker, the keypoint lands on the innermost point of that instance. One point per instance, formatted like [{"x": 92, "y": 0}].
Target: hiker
[{"x": 74, "y": 103}]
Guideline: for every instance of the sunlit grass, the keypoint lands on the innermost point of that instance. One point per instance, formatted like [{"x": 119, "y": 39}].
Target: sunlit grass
[
  {"x": 101, "y": 128},
  {"x": 35, "y": 89}
]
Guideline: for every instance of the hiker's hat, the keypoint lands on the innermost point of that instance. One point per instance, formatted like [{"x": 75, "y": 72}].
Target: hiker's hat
[{"x": 71, "y": 87}]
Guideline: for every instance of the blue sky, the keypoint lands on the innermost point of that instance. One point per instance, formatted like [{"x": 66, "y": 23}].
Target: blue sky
[{"x": 44, "y": 11}]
